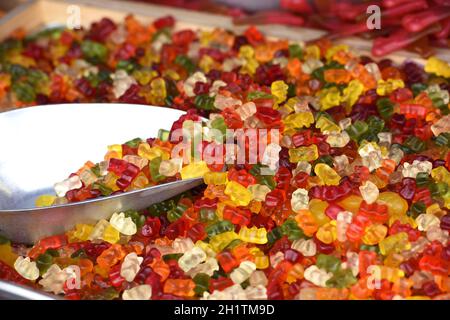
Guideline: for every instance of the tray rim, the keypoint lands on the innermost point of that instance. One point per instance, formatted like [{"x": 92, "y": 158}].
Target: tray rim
[
  {"x": 99, "y": 199},
  {"x": 190, "y": 18}
]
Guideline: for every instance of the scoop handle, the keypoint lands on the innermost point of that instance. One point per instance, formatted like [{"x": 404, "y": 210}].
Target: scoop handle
[{"x": 12, "y": 291}]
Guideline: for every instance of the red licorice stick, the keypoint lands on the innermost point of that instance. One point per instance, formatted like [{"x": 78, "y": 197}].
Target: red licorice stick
[
  {"x": 350, "y": 11},
  {"x": 405, "y": 8},
  {"x": 442, "y": 2},
  {"x": 355, "y": 28},
  {"x": 398, "y": 40},
  {"x": 419, "y": 21},
  {"x": 271, "y": 17},
  {"x": 394, "y": 3},
  {"x": 445, "y": 31},
  {"x": 348, "y": 30},
  {"x": 333, "y": 24},
  {"x": 300, "y": 6}
]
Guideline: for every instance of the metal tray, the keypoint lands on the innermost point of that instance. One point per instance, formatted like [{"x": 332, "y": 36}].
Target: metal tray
[{"x": 43, "y": 145}]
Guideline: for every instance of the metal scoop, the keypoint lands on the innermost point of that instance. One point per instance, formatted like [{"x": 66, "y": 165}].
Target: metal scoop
[
  {"x": 14, "y": 291},
  {"x": 43, "y": 145}
]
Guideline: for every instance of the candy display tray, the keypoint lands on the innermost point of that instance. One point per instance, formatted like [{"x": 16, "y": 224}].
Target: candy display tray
[{"x": 36, "y": 15}]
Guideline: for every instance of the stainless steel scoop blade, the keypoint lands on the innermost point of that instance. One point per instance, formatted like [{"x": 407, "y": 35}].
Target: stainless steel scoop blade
[{"x": 43, "y": 145}]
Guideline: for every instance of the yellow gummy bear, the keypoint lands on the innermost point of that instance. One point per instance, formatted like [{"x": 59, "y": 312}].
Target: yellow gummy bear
[
  {"x": 220, "y": 207},
  {"x": 351, "y": 203},
  {"x": 290, "y": 104},
  {"x": 139, "y": 182},
  {"x": 194, "y": 170},
  {"x": 206, "y": 63},
  {"x": 391, "y": 274},
  {"x": 394, "y": 243},
  {"x": 253, "y": 235},
  {"x": 259, "y": 191},
  {"x": 150, "y": 153},
  {"x": 7, "y": 255},
  {"x": 328, "y": 176},
  {"x": 351, "y": 94},
  {"x": 255, "y": 251},
  {"x": 144, "y": 76},
  {"x": 70, "y": 237},
  {"x": 250, "y": 66},
  {"x": 279, "y": 90},
  {"x": 82, "y": 231},
  {"x": 246, "y": 52},
  {"x": 441, "y": 174},
  {"x": 44, "y": 200},
  {"x": 438, "y": 67},
  {"x": 298, "y": 120},
  {"x": 317, "y": 209},
  {"x": 334, "y": 49},
  {"x": 393, "y": 260},
  {"x": 374, "y": 233},
  {"x": 312, "y": 52},
  {"x": 261, "y": 260},
  {"x": 206, "y": 37},
  {"x": 434, "y": 209},
  {"x": 326, "y": 125},
  {"x": 447, "y": 200},
  {"x": 158, "y": 91},
  {"x": 104, "y": 273},
  {"x": 149, "y": 58},
  {"x": 403, "y": 219},
  {"x": 329, "y": 98},
  {"x": 386, "y": 87},
  {"x": 307, "y": 154},
  {"x": 28, "y": 62},
  {"x": 220, "y": 241},
  {"x": 111, "y": 234},
  {"x": 395, "y": 203},
  {"x": 238, "y": 193},
  {"x": 216, "y": 178},
  {"x": 110, "y": 181},
  {"x": 172, "y": 74},
  {"x": 327, "y": 233},
  {"x": 205, "y": 247},
  {"x": 114, "y": 151},
  {"x": 98, "y": 230}
]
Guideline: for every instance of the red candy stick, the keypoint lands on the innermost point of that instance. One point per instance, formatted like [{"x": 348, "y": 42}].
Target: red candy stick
[
  {"x": 398, "y": 40},
  {"x": 394, "y": 3},
  {"x": 351, "y": 11},
  {"x": 301, "y": 6},
  {"x": 271, "y": 17},
  {"x": 405, "y": 8},
  {"x": 419, "y": 21}
]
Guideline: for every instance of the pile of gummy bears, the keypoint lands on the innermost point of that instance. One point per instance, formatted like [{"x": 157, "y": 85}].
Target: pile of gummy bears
[{"x": 355, "y": 208}]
